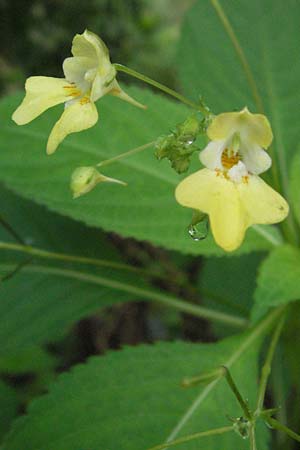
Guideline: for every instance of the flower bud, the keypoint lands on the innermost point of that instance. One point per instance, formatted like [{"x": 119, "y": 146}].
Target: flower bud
[
  {"x": 188, "y": 130},
  {"x": 84, "y": 179}
]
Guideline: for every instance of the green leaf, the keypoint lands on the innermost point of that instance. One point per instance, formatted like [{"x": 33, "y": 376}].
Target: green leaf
[
  {"x": 9, "y": 408},
  {"x": 131, "y": 400},
  {"x": 294, "y": 186},
  {"x": 228, "y": 285},
  {"x": 146, "y": 209},
  {"x": 278, "y": 280},
  {"x": 40, "y": 303},
  {"x": 27, "y": 360},
  {"x": 209, "y": 65}
]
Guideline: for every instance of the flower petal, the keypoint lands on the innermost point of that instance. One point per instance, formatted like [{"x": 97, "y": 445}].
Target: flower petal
[
  {"x": 213, "y": 194},
  {"x": 80, "y": 115},
  {"x": 41, "y": 94},
  {"x": 262, "y": 204},
  {"x": 89, "y": 45},
  {"x": 76, "y": 67},
  {"x": 255, "y": 159},
  {"x": 252, "y": 127},
  {"x": 118, "y": 92},
  {"x": 103, "y": 83},
  {"x": 212, "y": 154}
]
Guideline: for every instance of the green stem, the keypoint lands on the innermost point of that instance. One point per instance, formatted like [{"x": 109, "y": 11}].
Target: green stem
[
  {"x": 252, "y": 438},
  {"x": 206, "y": 377},
  {"x": 168, "y": 300},
  {"x": 237, "y": 393},
  {"x": 125, "y": 154},
  {"x": 237, "y": 46},
  {"x": 278, "y": 392},
  {"x": 279, "y": 426},
  {"x": 254, "y": 334},
  {"x": 73, "y": 258},
  {"x": 162, "y": 87},
  {"x": 266, "y": 369},
  {"x": 192, "y": 437},
  {"x": 44, "y": 254}
]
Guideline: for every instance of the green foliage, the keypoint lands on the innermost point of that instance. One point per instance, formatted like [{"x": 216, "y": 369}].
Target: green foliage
[
  {"x": 154, "y": 214},
  {"x": 294, "y": 186},
  {"x": 26, "y": 359},
  {"x": 41, "y": 302},
  {"x": 132, "y": 400},
  {"x": 278, "y": 280},
  {"x": 228, "y": 284},
  {"x": 9, "y": 407}
]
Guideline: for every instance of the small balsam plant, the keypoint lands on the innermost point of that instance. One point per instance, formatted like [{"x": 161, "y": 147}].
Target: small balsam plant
[{"x": 228, "y": 190}]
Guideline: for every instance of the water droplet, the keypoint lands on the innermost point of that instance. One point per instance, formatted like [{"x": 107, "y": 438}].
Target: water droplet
[{"x": 199, "y": 231}]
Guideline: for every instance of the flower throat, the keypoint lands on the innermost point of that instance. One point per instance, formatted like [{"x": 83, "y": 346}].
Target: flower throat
[{"x": 229, "y": 159}]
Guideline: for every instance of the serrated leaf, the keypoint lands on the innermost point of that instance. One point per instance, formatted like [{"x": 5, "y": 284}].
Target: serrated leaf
[
  {"x": 278, "y": 280},
  {"x": 131, "y": 400},
  {"x": 146, "y": 209}
]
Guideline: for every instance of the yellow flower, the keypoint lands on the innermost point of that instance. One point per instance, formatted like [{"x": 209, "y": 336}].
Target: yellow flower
[
  {"x": 89, "y": 75},
  {"x": 229, "y": 189}
]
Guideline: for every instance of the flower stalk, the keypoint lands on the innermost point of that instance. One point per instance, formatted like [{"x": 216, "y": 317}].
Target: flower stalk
[{"x": 197, "y": 106}]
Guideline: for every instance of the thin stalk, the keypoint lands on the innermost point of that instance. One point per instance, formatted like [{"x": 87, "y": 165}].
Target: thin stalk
[
  {"x": 237, "y": 393},
  {"x": 266, "y": 369},
  {"x": 254, "y": 334},
  {"x": 279, "y": 426},
  {"x": 168, "y": 300},
  {"x": 33, "y": 251},
  {"x": 238, "y": 48},
  {"x": 278, "y": 392},
  {"x": 252, "y": 438},
  {"x": 163, "y": 88},
  {"x": 125, "y": 154},
  {"x": 192, "y": 437},
  {"x": 206, "y": 377},
  {"x": 11, "y": 230}
]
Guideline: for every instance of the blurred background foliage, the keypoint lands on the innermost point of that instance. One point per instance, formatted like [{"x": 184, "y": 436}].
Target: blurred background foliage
[{"x": 36, "y": 35}]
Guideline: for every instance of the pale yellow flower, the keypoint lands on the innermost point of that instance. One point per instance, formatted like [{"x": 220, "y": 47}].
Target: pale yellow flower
[
  {"x": 89, "y": 75},
  {"x": 229, "y": 189}
]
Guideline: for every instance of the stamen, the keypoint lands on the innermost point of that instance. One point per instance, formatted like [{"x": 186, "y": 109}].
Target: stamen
[
  {"x": 72, "y": 90},
  {"x": 84, "y": 100},
  {"x": 229, "y": 160}
]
